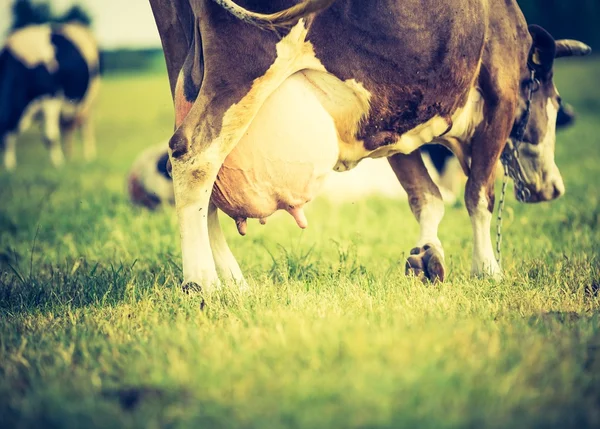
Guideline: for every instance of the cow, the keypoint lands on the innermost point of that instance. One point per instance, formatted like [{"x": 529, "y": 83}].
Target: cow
[
  {"x": 149, "y": 184},
  {"x": 50, "y": 73},
  {"x": 393, "y": 76}
]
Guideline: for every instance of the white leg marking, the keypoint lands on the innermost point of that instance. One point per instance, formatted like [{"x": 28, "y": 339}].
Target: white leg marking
[
  {"x": 10, "y": 153},
  {"x": 430, "y": 217},
  {"x": 484, "y": 260},
  {"x": 225, "y": 262},
  {"x": 192, "y": 201},
  {"x": 51, "y": 109}
]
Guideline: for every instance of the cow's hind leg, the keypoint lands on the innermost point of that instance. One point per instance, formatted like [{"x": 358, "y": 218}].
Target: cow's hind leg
[
  {"x": 225, "y": 262},
  {"x": 9, "y": 146},
  {"x": 88, "y": 137},
  {"x": 51, "y": 109},
  {"x": 427, "y": 258}
]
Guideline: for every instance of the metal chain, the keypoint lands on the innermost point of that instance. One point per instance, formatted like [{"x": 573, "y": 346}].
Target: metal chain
[
  {"x": 512, "y": 165},
  {"x": 513, "y": 169},
  {"x": 499, "y": 218}
]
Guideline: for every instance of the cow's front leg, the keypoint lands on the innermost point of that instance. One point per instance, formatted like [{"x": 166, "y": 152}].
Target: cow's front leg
[
  {"x": 427, "y": 258},
  {"x": 479, "y": 200},
  {"x": 225, "y": 262},
  {"x": 194, "y": 174}
]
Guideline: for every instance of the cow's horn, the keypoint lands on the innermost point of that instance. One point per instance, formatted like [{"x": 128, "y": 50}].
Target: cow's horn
[{"x": 570, "y": 48}]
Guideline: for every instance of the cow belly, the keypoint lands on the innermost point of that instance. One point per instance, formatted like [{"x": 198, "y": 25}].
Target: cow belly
[{"x": 282, "y": 161}]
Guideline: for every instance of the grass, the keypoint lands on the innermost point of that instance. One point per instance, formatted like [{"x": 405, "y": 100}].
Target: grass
[{"x": 95, "y": 332}]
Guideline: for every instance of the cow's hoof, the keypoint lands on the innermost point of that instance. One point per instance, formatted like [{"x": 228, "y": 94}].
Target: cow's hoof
[{"x": 426, "y": 263}]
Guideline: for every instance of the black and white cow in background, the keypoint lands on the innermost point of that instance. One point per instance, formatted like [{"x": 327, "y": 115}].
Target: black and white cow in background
[{"x": 48, "y": 73}]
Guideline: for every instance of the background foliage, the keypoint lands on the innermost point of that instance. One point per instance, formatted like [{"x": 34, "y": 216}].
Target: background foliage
[
  {"x": 572, "y": 19},
  {"x": 26, "y": 12}
]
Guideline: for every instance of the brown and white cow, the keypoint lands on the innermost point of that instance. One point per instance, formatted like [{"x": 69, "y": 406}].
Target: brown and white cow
[
  {"x": 150, "y": 185},
  {"x": 51, "y": 73},
  {"x": 393, "y": 76}
]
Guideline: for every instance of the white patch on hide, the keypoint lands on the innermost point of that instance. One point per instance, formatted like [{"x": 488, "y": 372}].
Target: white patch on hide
[
  {"x": 32, "y": 46},
  {"x": 548, "y": 146}
]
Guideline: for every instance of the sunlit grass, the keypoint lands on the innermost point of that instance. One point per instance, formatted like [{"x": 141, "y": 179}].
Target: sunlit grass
[{"x": 94, "y": 330}]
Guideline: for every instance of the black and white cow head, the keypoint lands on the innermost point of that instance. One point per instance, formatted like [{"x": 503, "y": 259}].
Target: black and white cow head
[{"x": 534, "y": 132}]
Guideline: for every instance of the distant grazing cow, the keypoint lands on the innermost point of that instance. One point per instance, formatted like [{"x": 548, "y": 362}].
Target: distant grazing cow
[
  {"x": 148, "y": 182},
  {"x": 48, "y": 73},
  {"x": 390, "y": 77}
]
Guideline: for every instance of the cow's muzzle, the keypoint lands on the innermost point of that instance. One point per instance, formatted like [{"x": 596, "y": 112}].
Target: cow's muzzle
[{"x": 550, "y": 190}]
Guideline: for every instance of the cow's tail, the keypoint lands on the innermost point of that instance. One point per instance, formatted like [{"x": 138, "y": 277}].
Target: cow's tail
[{"x": 278, "y": 19}]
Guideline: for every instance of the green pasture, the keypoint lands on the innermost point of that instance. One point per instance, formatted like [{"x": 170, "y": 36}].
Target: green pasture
[{"x": 95, "y": 331}]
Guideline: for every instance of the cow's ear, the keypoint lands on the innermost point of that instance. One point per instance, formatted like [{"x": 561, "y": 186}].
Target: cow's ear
[
  {"x": 543, "y": 49},
  {"x": 565, "y": 116}
]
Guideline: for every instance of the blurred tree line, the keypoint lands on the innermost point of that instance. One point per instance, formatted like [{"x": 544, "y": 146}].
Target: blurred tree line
[
  {"x": 566, "y": 19},
  {"x": 573, "y": 19},
  {"x": 30, "y": 12},
  {"x": 563, "y": 18},
  {"x": 27, "y": 12}
]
